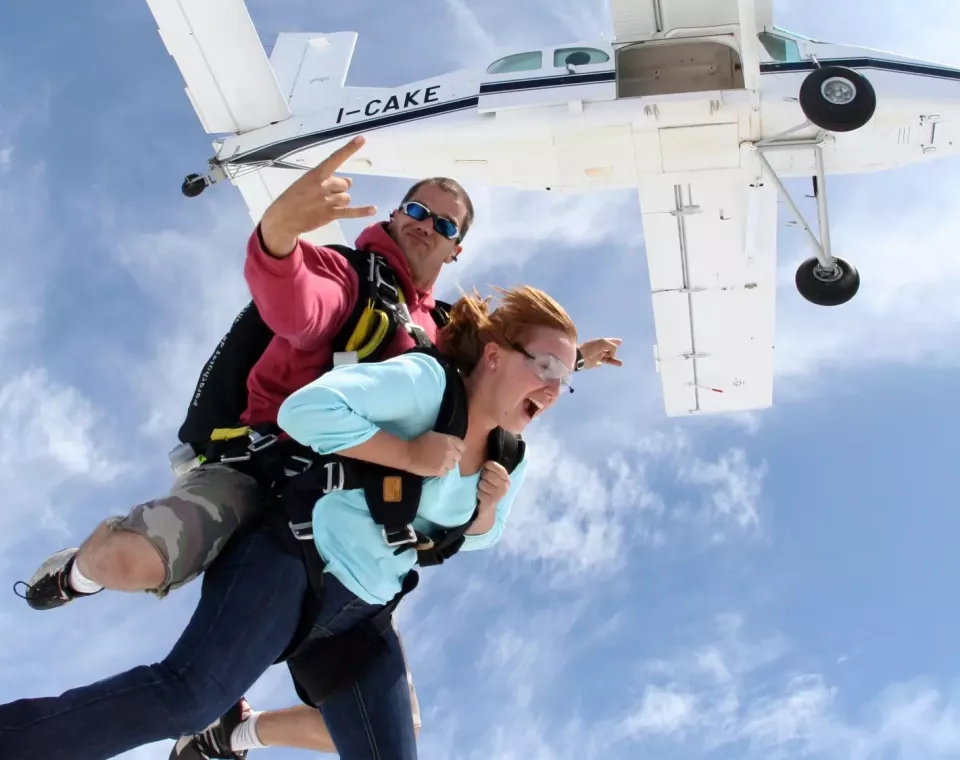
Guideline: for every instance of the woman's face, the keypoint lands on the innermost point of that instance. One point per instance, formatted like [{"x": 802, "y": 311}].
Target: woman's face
[{"x": 527, "y": 378}]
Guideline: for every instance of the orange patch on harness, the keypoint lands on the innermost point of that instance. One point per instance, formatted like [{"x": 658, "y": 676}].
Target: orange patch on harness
[{"x": 393, "y": 489}]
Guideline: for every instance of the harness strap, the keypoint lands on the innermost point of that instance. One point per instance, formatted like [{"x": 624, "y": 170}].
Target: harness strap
[
  {"x": 393, "y": 496},
  {"x": 264, "y": 452},
  {"x": 380, "y": 310}
]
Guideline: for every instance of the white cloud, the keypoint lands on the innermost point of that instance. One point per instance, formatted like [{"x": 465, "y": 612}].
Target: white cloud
[
  {"x": 513, "y": 226},
  {"x": 481, "y": 36},
  {"x": 52, "y": 438},
  {"x": 577, "y": 516},
  {"x": 733, "y": 489},
  {"x": 572, "y": 515},
  {"x": 738, "y": 694},
  {"x": 192, "y": 279},
  {"x": 24, "y": 266},
  {"x": 662, "y": 711},
  {"x": 905, "y": 312}
]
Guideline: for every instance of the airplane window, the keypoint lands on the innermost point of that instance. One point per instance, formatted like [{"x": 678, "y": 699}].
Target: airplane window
[
  {"x": 578, "y": 57},
  {"x": 517, "y": 62},
  {"x": 780, "y": 49}
]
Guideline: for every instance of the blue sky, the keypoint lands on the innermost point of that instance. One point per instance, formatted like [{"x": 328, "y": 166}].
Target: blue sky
[{"x": 775, "y": 585}]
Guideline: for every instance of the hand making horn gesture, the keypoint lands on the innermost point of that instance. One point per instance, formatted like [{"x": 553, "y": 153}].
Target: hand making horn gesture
[{"x": 314, "y": 200}]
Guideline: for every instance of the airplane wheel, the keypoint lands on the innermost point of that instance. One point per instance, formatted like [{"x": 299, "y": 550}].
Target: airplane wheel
[
  {"x": 193, "y": 185},
  {"x": 825, "y": 288},
  {"x": 837, "y": 99}
]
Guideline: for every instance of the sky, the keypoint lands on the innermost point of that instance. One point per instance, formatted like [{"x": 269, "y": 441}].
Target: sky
[{"x": 778, "y": 584}]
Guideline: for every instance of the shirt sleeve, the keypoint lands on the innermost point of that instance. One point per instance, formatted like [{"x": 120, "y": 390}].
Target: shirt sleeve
[
  {"x": 348, "y": 405},
  {"x": 302, "y": 304},
  {"x": 492, "y": 536}
]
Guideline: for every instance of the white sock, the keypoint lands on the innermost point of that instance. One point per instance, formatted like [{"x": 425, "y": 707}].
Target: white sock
[
  {"x": 79, "y": 582},
  {"x": 245, "y": 736}
]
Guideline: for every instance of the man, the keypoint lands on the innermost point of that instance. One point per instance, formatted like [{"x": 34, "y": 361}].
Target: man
[{"x": 305, "y": 295}]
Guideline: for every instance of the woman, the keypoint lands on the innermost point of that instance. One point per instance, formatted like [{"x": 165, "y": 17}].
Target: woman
[{"x": 514, "y": 362}]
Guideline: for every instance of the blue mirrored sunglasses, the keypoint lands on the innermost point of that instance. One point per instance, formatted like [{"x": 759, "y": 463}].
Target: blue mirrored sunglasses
[{"x": 444, "y": 227}]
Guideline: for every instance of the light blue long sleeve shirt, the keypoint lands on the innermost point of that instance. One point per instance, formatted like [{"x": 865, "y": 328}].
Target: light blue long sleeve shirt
[{"x": 346, "y": 407}]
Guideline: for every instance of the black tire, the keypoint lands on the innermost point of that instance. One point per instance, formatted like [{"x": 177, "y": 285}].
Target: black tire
[
  {"x": 833, "y": 116},
  {"x": 827, "y": 288},
  {"x": 193, "y": 185}
]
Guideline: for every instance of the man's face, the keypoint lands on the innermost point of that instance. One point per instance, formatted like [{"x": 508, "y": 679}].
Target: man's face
[{"x": 425, "y": 249}]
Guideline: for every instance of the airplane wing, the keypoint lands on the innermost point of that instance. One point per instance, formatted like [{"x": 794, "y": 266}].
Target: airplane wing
[
  {"x": 229, "y": 80},
  {"x": 711, "y": 256},
  {"x": 638, "y": 19}
]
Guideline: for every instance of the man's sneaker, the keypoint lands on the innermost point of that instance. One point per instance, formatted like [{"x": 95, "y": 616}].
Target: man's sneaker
[
  {"x": 214, "y": 740},
  {"x": 50, "y": 587}
]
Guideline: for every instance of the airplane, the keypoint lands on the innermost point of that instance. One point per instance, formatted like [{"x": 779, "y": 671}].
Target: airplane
[{"x": 703, "y": 107}]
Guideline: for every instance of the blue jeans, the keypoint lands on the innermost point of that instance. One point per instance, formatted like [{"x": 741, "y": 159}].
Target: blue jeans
[{"x": 247, "y": 615}]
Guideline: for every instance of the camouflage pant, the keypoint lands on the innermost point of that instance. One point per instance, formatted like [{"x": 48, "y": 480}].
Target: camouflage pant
[{"x": 190, "y": 525}]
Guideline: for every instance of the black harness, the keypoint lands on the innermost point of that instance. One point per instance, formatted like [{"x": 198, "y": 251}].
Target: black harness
[
  {"x": 321, "y": 666},
  {"x": 220, "y": 395}
]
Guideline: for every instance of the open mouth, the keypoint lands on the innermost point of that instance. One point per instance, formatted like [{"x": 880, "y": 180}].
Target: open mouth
[{"x": 531, "y": 408}]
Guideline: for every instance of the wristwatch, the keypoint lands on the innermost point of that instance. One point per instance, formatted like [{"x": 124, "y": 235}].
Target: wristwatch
[{"x": 579, "y": 365}]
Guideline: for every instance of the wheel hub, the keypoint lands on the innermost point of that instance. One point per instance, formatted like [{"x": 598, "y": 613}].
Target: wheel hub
[
  {"x": 838, "y": 90},
  {"x": 828, "y": 275}
]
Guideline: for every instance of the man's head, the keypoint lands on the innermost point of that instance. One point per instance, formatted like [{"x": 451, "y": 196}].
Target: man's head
[{"x": 414, "y": 226}]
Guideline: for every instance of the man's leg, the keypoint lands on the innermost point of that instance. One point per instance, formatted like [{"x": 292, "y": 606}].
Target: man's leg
[
  {"x": 160, "y": 545},
  {"x": 223, "y": 650}
]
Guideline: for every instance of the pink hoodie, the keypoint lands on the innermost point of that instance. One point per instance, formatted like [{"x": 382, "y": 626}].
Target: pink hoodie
[{"x": 306, "y": 299}]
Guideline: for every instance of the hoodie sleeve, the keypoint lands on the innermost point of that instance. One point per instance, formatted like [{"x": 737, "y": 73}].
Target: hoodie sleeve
[
  {"x": 492, "y": 536},
  {"x": 304, "y": 297},
  {"x": 348, "y": 405}
]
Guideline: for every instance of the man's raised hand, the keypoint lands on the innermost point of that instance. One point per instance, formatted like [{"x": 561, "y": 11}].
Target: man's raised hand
[{"x": 314, "y": 200}]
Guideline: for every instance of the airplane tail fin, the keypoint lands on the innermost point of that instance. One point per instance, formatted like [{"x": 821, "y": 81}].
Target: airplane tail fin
[
  {"x": 312, "y": 68},
  {"x": 229, "y": 80}
]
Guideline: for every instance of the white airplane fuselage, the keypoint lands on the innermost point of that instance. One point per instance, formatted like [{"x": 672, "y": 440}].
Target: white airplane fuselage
[
  {"x": 674, "y": 108},
  {"x": 701, "y": 107}
]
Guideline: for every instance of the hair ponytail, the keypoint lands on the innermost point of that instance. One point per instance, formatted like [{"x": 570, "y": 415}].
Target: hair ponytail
[
  {"x": 471, "y": 325},
  {"x": 462, "y": 339}
]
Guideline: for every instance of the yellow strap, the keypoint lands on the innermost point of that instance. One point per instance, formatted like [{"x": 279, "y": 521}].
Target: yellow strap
[
  {"x": 377, "y": 338},
  {"x": 373, "y": 319},
  {"x": 362, "y": 328},
  {"x": 226, "y": 434}
]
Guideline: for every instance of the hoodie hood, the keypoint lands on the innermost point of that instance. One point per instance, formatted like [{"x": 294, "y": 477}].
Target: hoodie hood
[{"x": 376, "y": 238}]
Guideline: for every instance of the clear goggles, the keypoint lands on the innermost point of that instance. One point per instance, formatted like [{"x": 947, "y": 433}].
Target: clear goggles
[{"x": 547, "y": 367}]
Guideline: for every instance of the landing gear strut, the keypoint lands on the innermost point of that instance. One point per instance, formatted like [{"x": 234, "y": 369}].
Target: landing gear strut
[{"x": 835, "y": 99}]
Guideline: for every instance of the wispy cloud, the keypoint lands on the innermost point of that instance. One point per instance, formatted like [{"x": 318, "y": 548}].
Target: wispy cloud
[
  {"x": 738, "y": 693},
  {"x": 578, "y": 515},
  {"x": 53, "y": 438}
]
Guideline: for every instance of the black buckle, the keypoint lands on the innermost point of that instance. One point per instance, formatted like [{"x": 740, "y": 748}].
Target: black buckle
[
  {"x": 400, "y": 536},
  {"x": 291, "y": 472}
]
